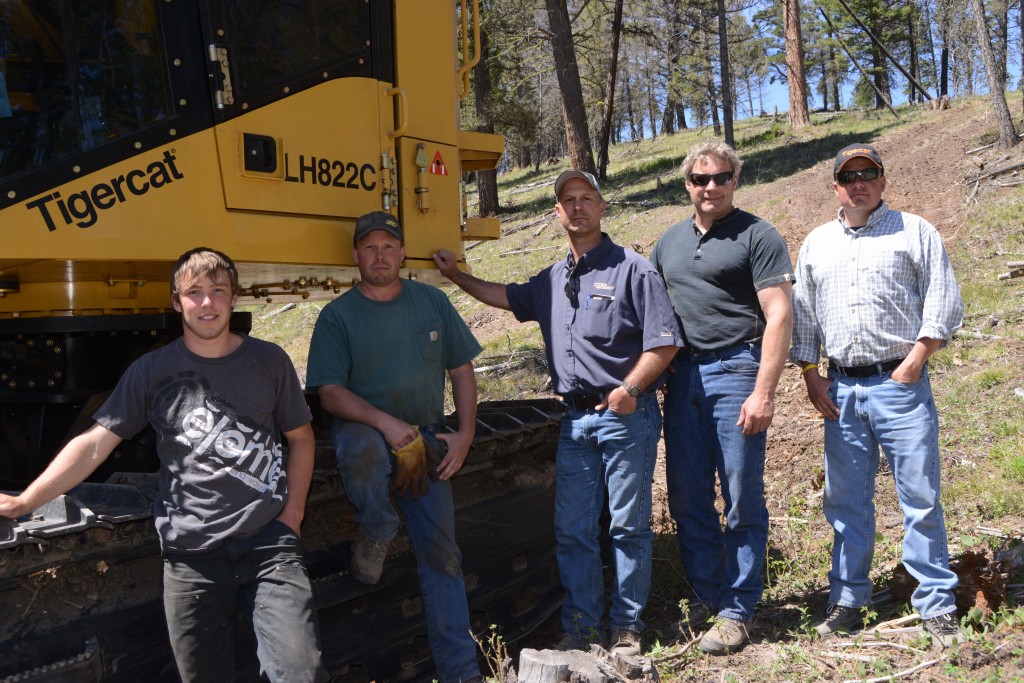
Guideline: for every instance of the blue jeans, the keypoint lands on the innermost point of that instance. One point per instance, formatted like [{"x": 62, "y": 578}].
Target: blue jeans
[
  {"x": 264, "y": 578},
  {"x": 901, "y": 419},
  {"x": 702, "y": 406},
  {"x": 365, "y": 463},
  {"x": 599, "y": 451}
]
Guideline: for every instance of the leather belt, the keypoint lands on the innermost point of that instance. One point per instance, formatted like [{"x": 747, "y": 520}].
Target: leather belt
[
  {"x": 584, "y": 401},
  {"x": 866, "y": 370}
]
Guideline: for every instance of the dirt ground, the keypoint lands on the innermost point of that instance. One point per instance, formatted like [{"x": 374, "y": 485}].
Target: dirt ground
[{"x": 925, "y": 168}]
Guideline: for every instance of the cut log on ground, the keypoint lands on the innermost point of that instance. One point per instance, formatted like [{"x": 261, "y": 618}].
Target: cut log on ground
[{"x": 576, "y": 666}]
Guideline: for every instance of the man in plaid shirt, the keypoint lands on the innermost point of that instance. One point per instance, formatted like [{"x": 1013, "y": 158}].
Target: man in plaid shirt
[{"x": 876, "y": 292}]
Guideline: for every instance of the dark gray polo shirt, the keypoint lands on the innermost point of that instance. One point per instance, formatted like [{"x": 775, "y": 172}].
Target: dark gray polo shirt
[
  {"x": 622, "y": 309},
  {"x": 713, "y": 279}
]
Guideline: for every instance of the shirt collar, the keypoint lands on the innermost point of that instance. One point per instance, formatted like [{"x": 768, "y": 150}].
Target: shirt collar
[
  {"x": 715, "y": 223},
  {"x": 591, "y": 258},
  {"x": 874, "y": 218}
]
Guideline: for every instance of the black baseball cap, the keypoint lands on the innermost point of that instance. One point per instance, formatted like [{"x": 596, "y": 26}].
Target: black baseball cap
[
  {"x": 377, "y": 220},
  {"x": 855, "y": 150}
]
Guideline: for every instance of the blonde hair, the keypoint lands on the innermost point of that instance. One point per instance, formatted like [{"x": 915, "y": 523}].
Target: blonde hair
[
  {"x": 712, "y": 148},
  {"x": 203, "y": 262}
]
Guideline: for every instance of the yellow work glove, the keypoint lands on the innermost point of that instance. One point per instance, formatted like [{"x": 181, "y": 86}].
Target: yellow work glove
[{"x": 411, "y": 468}]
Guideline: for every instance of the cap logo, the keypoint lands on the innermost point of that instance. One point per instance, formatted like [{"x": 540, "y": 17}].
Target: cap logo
[{"x": 852, "y": 152}]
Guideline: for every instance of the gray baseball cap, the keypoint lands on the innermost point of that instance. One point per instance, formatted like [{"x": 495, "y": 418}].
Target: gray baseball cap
[{"x": 565, "y": 176}]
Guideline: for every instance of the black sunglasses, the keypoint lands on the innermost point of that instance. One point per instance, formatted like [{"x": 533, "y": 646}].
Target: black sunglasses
[
  {"x": 703, "y": 179},
  {"x": 865, "y": 174},
  {"x": 572, "y": 290}
]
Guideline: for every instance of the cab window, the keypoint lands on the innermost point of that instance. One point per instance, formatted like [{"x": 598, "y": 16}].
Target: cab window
[{"x": 74, "y": 76}]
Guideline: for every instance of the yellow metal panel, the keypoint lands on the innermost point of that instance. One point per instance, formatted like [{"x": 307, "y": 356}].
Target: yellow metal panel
[
  {"x": 425, "y": 68},
  {"x": 482, "y": 229},
  {"x": 329, "y": 152},
  {"x": 480, "y": 151},
  {"x": 437, "y": 223}
]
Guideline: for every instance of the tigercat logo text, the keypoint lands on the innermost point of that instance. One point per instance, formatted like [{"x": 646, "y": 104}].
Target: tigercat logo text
[{"x": 82, "y": 208}]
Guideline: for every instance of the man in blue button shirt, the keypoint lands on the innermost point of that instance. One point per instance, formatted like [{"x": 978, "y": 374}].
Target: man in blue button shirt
[{"x": 610, "y": 333}]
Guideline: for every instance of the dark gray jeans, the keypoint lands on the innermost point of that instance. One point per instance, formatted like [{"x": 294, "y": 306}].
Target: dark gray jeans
[{"x": 264, "y": 578}]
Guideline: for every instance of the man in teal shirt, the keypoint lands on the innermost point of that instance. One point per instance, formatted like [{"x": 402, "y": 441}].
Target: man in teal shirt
[{"x": 378, "y": 357}]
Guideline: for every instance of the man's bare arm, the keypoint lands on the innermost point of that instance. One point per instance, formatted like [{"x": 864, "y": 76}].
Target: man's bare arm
[
  {"x": 299, "y": 471},
  {"x": 647, "y": 369},
  {"x": 464, "y": 395},
  {"x": 759, "y": 408},
  {"x": 76, "y": 461},
  {"x": 491, "y": 293},
  {"x": 344, "y": 404}
]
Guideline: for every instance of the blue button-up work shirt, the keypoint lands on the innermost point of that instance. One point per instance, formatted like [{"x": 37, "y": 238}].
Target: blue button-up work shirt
[{"x": 597, "y": 316}]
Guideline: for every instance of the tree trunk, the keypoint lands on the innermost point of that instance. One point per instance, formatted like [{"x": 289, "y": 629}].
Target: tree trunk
[
  {"x": 668, "y": 114},
  {"x": 1001, "y": 11},
  {"x": 713, "y": 103},
  {"x": 681, "y": 113},
  {"x": 798, "y": 116},
  {"x": 652, "y": 103},
  {"x": 723, "y": 55},
  {"x": 912, "y": 46},
  {"x": 635, "y": 133},
  {"x": 996, "y": 87},
  {"x": 609, "y": 97},
  {"x": 486, "y": 181},
  {"x": 581, "y": 154}
]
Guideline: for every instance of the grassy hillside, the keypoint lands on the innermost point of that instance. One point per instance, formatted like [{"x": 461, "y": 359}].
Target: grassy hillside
[{"x": 978, "y": 382}]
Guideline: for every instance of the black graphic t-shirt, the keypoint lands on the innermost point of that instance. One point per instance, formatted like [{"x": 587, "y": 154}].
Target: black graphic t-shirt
[{"x": 219, "y": 423}]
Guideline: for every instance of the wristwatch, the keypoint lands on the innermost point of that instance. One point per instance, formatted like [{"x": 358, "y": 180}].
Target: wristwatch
[{"x": 630, "y": 389}]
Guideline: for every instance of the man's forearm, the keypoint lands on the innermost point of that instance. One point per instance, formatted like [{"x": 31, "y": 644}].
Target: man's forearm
[
  {"x": 774, "y": 353},
  {"x": 490, "y": 293},
  {"x": 346, "y": 405},
  {"x": 650, "y": 366},
  {"x": 76, "y": 461},
  {"x": 299, "y": 470},
  {"x": 464, "y": 396}
]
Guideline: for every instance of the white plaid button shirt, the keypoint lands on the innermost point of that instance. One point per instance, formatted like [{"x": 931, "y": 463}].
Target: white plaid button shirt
[{"x": 866, "y": 296}]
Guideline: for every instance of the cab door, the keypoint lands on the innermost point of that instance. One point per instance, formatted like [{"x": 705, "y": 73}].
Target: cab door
[{"x": 299, "y": 89}]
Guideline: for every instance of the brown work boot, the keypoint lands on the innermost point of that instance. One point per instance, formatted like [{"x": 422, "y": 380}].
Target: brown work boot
[
  {"x": 625, "y": 642},
  {"x": 368, "y": 559},
  {"x": 727, "y": 636},
  {"x": 571, "y": 642}
]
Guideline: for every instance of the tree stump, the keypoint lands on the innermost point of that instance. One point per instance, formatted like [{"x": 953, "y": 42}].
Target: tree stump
[{"x": 576, "y": 666}]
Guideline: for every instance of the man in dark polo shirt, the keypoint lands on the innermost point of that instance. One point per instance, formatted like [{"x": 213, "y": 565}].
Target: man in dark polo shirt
[
  {"x": 730, "y": 280},
  {"x": 610, "y": 332}
]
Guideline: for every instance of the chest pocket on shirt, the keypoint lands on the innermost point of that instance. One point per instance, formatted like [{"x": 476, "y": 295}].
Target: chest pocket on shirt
[
  {"x": 599, "y": 315},
  {"x": 430, "y": 341}
]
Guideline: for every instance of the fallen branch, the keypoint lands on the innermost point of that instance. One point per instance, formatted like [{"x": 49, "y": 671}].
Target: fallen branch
[
  {"x": 899, "y": 674},
  {"x": 846, "y": 656},
  {"x": 543, "y": 219},
  {"x": 988, "y": 146},
  {"x": 286, "y": 307},
  {"x": 1000, "y": 170},
  {"x": 909, "y": 619},
  {"x": 977, "y": 183},
  {"x": 526, "y": 251},
  {"x": 677, "y": 655},
  {"x": 878, "y": 643}
]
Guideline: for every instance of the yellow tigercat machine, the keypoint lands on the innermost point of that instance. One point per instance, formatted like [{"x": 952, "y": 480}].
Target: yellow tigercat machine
[{"x": 134, "y": 130}]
